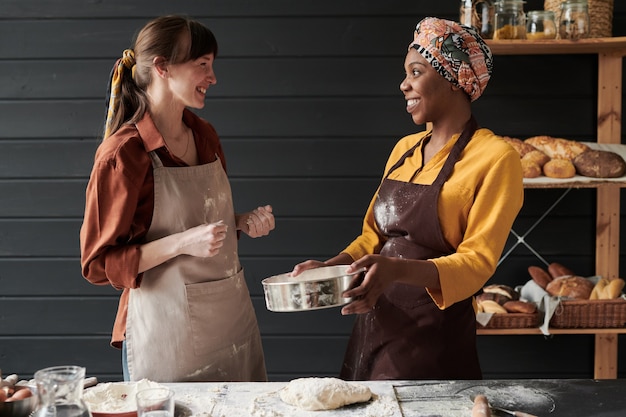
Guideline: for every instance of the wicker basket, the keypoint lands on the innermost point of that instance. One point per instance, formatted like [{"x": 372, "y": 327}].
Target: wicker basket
[
  {"x": 512, "y": 321},
  {"x": 590, "y": 314},
  {"x": 600, "y": 16}
]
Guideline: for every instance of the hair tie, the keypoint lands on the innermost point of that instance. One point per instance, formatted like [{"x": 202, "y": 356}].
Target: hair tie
[{"x": 127, "y": 61}]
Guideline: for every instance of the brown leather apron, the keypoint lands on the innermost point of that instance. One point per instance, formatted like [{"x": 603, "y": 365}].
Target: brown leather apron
[
  {"x": 192, "y": 318},
  {"x": 406, "y": 336}
]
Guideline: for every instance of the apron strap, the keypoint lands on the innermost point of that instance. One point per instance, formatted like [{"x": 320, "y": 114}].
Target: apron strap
[{"x": 156, "y": 161}]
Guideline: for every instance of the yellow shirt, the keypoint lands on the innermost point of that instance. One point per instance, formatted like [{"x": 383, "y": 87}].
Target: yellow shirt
[{"x": 477, "y": 207}]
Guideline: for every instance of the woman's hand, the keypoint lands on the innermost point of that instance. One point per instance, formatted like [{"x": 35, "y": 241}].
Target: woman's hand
[
  {"x": 381, "y": 271},
  {"x": 256, "y": 223},
  {"x": 303, "y": 266},
  {"x": 204, "y": 240}
]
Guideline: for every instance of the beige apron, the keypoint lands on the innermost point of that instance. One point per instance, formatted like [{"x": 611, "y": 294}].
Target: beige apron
[{"x": 192, "y": 318}]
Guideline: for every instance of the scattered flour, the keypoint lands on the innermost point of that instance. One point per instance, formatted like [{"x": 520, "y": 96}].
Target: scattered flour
[{"x": 115, "y": 397}]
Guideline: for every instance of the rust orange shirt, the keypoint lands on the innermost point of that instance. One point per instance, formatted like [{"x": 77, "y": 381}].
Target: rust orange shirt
[{"x": 120, "y": 200}]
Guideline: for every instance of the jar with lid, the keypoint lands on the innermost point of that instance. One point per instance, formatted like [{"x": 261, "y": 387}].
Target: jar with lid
[
  {"x": 574, "y": 20},
  {"x": 510, "y": 20},
  {"x": 478, "y": 14},
  {"x": 540, "y": 24}
]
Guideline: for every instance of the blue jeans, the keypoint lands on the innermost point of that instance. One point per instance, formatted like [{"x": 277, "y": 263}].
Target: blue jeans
[{"x": 125, "y": 362}]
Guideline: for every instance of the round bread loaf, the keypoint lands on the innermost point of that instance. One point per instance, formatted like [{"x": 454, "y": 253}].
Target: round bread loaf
[
  {"x": 571, "y": 287},
  {"x": 537, "y": 157},
  {"x": 559, "y": 168},
  {"x": 600, "y": 164},
  {"x": 530, "y": 169}
]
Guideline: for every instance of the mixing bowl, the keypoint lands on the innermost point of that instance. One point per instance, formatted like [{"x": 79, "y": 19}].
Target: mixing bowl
[{"x": 313, "y": 289}]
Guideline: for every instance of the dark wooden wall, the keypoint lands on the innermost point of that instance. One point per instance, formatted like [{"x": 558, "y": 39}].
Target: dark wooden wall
[{"x": 308, "y": 107}]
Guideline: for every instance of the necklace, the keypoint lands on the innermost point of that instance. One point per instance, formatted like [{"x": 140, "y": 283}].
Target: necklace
[{"x": 186, "y": 144}]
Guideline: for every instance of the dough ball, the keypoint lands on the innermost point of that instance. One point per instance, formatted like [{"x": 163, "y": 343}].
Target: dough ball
[{"x": 323, "y": 393}]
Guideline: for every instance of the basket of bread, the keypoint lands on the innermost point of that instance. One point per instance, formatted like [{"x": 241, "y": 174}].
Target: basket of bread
[
  {"x": 584, "y": 302},
  {"x": 563, "y": 158},
  {"x": 500, "y": 307}
]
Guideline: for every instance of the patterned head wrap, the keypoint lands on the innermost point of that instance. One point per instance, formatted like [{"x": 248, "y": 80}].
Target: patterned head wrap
[
  {"x": 456, "y": 52},
  {"x": 127, "y": 61}
]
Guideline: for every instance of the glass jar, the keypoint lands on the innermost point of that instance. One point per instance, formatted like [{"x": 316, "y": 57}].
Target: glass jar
[
  {"x": 574, "y": 20},
  {"x": 510, "y": 20},
  {"x": 540, "y": 24},
  {"x": 479, "y": 14}
]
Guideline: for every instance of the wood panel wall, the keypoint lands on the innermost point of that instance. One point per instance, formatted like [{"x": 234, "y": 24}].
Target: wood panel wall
[{"x": 307, "y": 105}]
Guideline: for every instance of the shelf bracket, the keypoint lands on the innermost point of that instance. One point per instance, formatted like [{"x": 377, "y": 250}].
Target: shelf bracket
[{"x": 521, "y": 239}]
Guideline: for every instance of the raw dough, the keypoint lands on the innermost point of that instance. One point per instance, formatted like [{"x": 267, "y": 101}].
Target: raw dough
[{"x": 323, "y": 393}]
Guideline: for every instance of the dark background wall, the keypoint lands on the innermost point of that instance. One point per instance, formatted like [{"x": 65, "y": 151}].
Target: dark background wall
[{"x": 307, "y": 105}]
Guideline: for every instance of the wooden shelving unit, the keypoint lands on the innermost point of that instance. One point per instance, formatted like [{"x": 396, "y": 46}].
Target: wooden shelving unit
[{"x": 611, "y": 52}]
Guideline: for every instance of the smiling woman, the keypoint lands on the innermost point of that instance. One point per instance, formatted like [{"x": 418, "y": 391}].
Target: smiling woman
[
  {"x": 148, "y": 228},
  {"x": 437, "y": 224}
]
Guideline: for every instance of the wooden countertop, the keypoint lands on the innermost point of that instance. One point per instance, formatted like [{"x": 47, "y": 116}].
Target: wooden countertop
[{"x": 544, "y": 397}]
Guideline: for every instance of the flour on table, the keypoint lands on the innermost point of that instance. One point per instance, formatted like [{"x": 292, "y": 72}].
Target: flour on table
[
  {"x": 323, "y": 393},
  {"x": 116, "y": 397}
]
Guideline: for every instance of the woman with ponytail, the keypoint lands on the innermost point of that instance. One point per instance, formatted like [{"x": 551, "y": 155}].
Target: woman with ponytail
[{"x": 159, "y": 221}]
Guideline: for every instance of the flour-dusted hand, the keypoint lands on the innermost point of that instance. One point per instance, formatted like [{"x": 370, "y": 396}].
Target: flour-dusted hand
[
  {"x": 203, "y": 241},
  {"x": 382, "y": 271},
  {"x": 258, "y": 222}
]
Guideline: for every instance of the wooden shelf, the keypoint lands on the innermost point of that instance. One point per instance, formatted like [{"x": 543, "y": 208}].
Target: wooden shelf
[
  {"x": 552, "y": 330},
  {"x": 610, "y": 52},
  {"x": 558, "y": 46}
]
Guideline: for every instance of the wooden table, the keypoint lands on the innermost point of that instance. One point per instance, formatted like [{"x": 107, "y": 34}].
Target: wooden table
[{"x": 544, "y": 397}]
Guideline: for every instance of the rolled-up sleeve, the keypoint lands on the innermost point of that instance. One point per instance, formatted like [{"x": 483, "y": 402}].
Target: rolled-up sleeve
[{"x": 110, "y": 234}]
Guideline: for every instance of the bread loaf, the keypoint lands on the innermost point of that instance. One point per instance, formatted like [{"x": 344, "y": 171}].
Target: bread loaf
[
  {"x": 600, "y": 164},
  {"x": 533, "y": 162},
  {"x": 520, "y": 307},
  {"x": 492, "y": 296},
  {"x": 557, "y": 270},
  {"x": 540, "y": 276},
  {"x": 504, "y": 290},
  {"x": 537, "y": 157},
  {"x": 530, "y": 169},
  {"x": 558, "y": 148},
  {"x": 614, "y": 289},
  {"x": 489, "y": 306},
  {"x": 519, "y": 145},
  {"x": 598, "y": 290},
  {"x": 571, "y": 287},
  {"x": 559, "y": 168}
]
